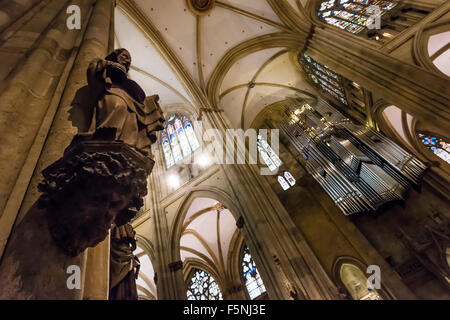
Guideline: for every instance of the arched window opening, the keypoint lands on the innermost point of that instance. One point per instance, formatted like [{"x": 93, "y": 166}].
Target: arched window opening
[
  {"x": 353, "y": 15},
  {"x": 359, "y": 17},
  {"x": 288, "y": 176},
  {"x": 324, "y": 78},
  {"x": 437, "y": 145},
  {"x": 344, "y": 91},
  {"x": 178, "y": 140},
  {"x": 287, "y": 180},
  {"x": 203, "y": 287},
  {"x": 268, "y": 155},
  {"x": 283, "y": 183},
  {"x": 253, "y": 282},
  {"x": 355, "y": 282}
]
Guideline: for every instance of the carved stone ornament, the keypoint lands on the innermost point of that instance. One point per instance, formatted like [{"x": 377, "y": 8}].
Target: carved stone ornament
[
  {"x": 99, "y": 181},
  {"x": 201, "y": 7},
  {"x": 175, "y": 266}
]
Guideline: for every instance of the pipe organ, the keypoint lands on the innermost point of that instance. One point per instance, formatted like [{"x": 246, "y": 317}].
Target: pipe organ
[{"x": 359, "y": 168}]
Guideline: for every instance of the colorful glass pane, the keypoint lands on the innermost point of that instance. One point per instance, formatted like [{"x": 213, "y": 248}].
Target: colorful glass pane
[
  {"x": 268, "y": 154},
  {"x": 325, "y": 78},
  {"x": 289, "y": 178},
  {"x": 191, "y": 134},
  {"x": 354, "y": 7},
  {"x": 203, "y": 287},
  {"x": 182, "y": 138},
  {"x": 351, "y": 15},
  {"x": 167, "y": 151},
  {"x": 253, "y": 281},
  {"x": 178, "y": 140},
  {"x": 326, "y": 5},
  {"x": 437, "y": 145},
  {"x": 283, "y": 183},
  {"x": 176, "y": 151},
  {"x": 273, "y": 156},
  {"x": 386, "y": 5},
  {"x": 265, "y": 157}
]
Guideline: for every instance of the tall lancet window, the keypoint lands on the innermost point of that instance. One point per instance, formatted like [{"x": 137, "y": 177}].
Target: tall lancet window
[
  {"x": 324, "y": 78},
  {"x": 268, "y": 155},
  {"x": 352, "y": 15},
  {"x": 437, "y": 145},
  {"x": 356, "y": 282},
  {"x": 203, "y": 287},
  {"x": 178, "y": 140},
  {"x": 253, "y": 281},
  {"x": 287, "y": 180}
]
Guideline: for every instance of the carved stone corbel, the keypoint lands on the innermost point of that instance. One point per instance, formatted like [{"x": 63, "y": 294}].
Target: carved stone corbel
[
  {"x": 175, "y": 266},
  {"x": 98, "y": 182}
]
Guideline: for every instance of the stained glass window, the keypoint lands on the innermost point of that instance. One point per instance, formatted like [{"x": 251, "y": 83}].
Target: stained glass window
[
  {"x": 203, "y": 287},
  {"x": 253, "y": 281},
  {"x": 282, "y": 181},
  {"x": 268, "y": 155},
  {"x": 439, "y": 147},
  {"x": 178, "y": 140},
  {"x": 324, "y": 78},
  {"x": 288, "y": 176},
  {"x": 356, "y": 283},
  {"x": 351, "y": 15}
]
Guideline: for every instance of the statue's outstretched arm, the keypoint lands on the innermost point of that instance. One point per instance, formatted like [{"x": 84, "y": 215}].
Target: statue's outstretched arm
[{"x": 96, "y": 76}]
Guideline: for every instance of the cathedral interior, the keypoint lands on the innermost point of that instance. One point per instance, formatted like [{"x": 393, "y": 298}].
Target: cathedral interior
[{"x": 224, "y": 150}]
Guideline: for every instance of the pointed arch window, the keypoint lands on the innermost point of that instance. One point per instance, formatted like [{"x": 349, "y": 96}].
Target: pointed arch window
[
  {"x": 284, "y": 184},
  {"x": 286, "y": 181},
  {"x": 355, "y": 282},
  {"x": 178, "y": 140},
  {"x": 324, "y": 78},
  {"x": 437, "y": 145},
  {"x": 269, "y": 156},
  {"x": 203, "y": 287},
  {"x": 289, "y": 178},
  {"x": 253, "y": 282},
  {"x": 351, "y": 15}
]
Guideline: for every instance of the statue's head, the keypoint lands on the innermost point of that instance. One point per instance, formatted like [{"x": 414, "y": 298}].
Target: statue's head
[{"x": 120, "y": 56}]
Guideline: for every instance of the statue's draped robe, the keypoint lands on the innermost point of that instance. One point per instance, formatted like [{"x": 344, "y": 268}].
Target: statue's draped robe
[
  {"x": 124, "y": 106},
  {"x": 124, "y": 265}
]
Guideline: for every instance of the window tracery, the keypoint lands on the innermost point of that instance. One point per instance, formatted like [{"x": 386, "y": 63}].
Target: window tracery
[
  {"x": 203, "y": 287},
  {"x": 178, "y": 140}
]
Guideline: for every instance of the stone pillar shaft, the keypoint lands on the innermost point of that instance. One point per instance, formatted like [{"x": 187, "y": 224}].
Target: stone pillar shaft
[
  {"x": 170, "y": 283},
  {"x": 10, "y": 11},
  {"x": 287, "y": 264},
  {"x": 65, "y": 54},
  {"x": 32, "y": 112}
]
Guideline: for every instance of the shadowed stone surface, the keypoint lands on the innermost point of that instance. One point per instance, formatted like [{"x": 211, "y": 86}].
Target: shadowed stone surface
[{"x": 97, "y": 182}]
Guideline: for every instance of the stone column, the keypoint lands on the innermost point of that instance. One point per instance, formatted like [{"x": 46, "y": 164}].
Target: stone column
[
  {"x": 96, "y": 281},
  {"x": 287, "y": 264},
  {"x": 45, "y": 278},
  {"x": 170, "y": 282},
  {"x": 29, "y": 97},
  {"x": 11, "y": 11}
]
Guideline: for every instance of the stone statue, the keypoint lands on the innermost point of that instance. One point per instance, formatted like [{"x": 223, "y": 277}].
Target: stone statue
[
  {"x": 124, "y": 265},
  {"x": 121, "y": 103},
  {"x": 99, "y": 182},
  {"x": 102, "y": 178}
]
